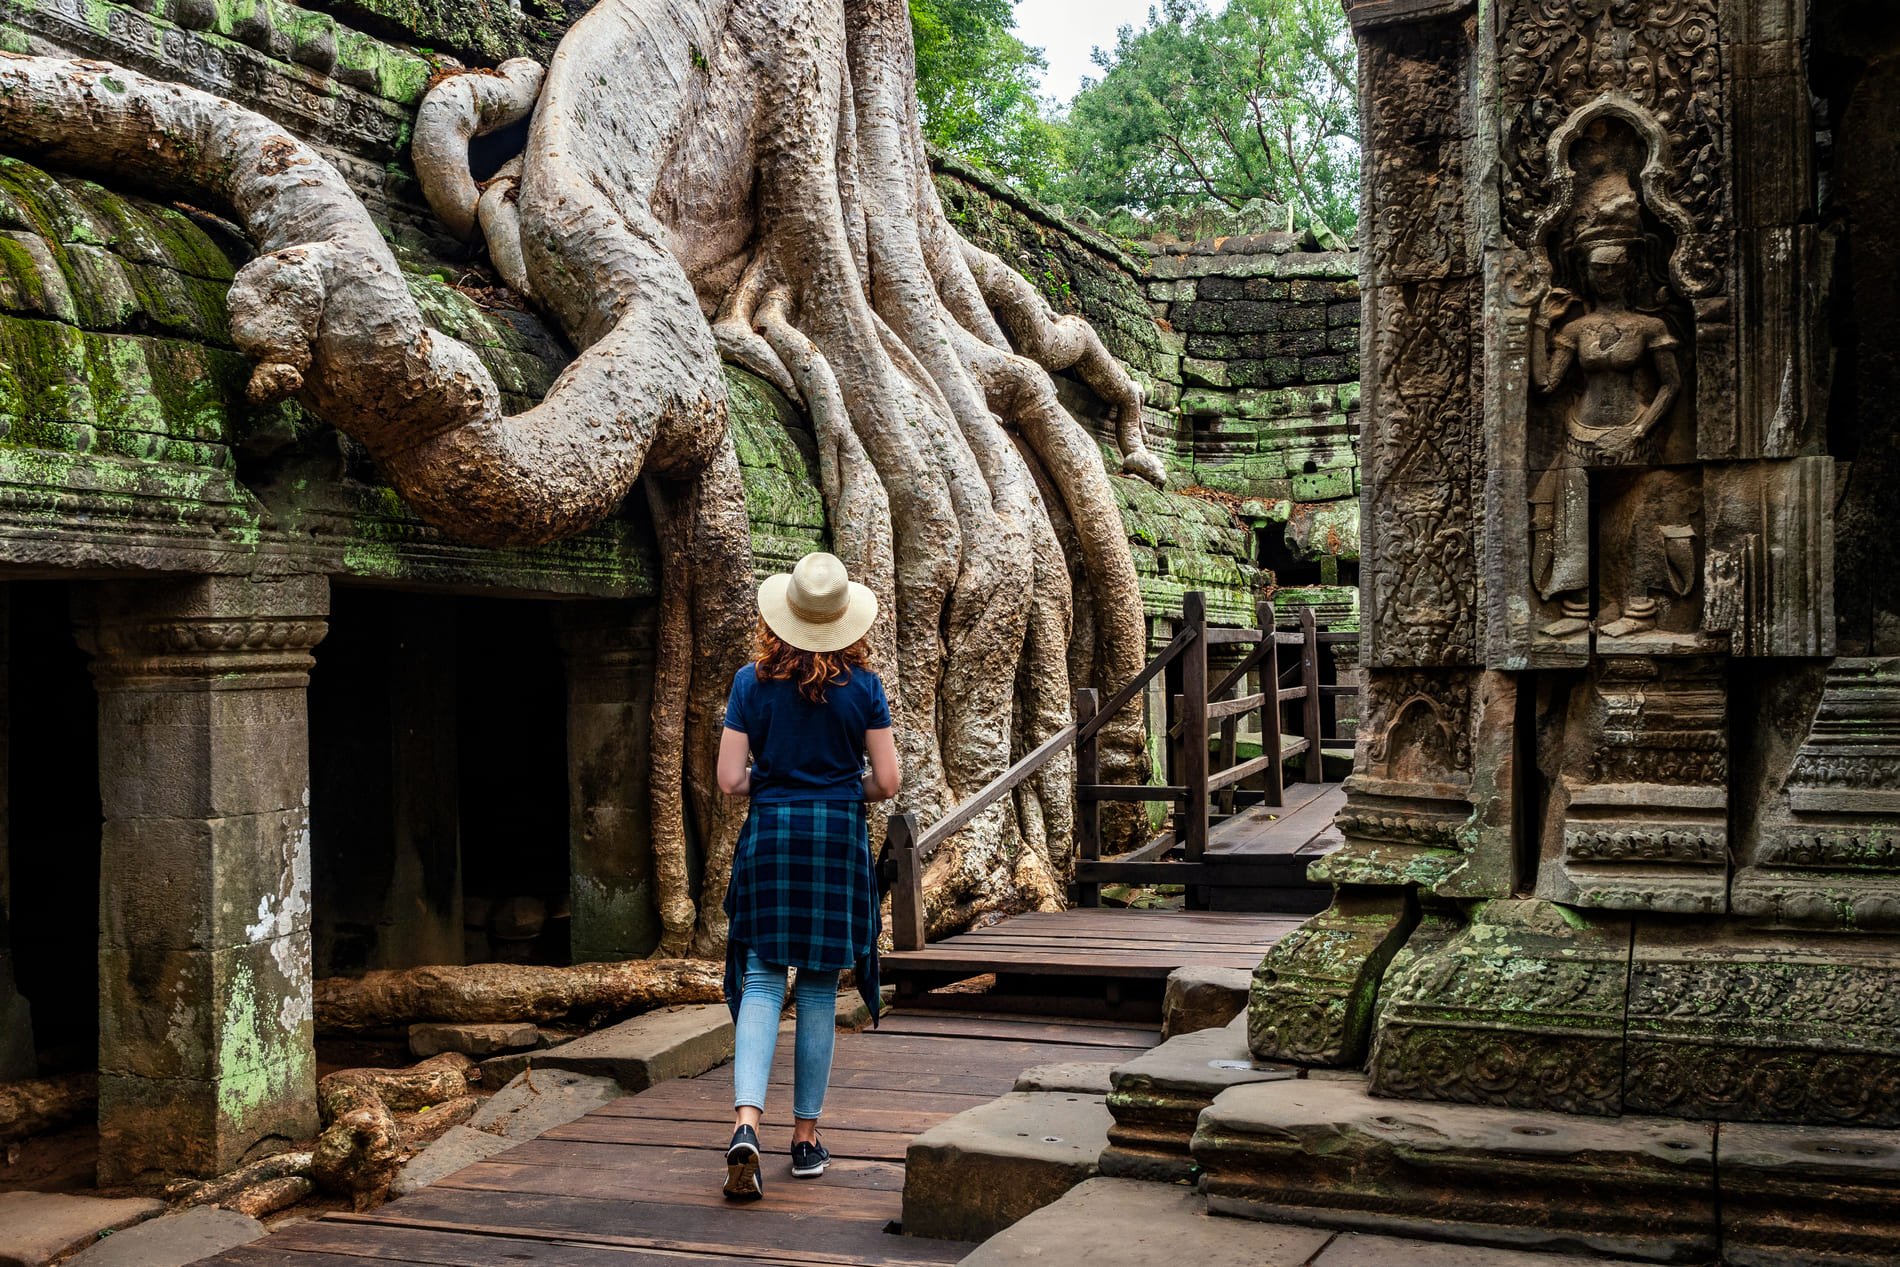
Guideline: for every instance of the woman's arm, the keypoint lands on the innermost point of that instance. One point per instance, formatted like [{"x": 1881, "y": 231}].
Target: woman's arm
[
  {"x": 881, "y": 783},
  {"x": 735, "y": 773}
]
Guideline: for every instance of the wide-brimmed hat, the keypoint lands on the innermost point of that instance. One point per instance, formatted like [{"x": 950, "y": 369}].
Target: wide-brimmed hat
[{"x": 816, "y": 606}]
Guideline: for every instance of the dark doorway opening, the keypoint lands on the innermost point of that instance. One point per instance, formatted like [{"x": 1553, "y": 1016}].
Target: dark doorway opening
[
  {"x": 439, "y": 794},
  {"x": 53, "y": 823}
]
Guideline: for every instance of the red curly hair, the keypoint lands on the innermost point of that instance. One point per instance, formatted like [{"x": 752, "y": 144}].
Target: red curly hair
[{"x": 780, "y": 661}]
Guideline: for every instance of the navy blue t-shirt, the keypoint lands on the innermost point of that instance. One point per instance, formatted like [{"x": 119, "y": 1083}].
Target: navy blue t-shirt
[{"x": 803, "y": 751}]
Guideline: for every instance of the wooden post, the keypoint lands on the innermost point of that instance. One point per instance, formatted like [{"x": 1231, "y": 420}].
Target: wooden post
[
  {"x": 1194, "y": 727},
  {"x": 1270, "y": 710},
  {"x": 1268, "y": 688},
  {"x": 1309, "y": 674},
  {"x": 907, "y": 891},
  {"x": 1088, "y": 810}
]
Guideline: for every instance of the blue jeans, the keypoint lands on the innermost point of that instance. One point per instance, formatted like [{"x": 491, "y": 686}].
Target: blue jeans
[{"x": 756, "y": 1036}]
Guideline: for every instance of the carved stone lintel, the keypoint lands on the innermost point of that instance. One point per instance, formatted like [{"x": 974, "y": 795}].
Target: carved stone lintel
[{"x": 1522, "y": 1007}]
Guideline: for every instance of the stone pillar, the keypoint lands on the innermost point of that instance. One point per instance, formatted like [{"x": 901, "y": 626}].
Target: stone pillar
[
  {"x": 609, "y": 655},
  {"x": 16, "y": 1018},
  {"x": 205, "y": 1037}
]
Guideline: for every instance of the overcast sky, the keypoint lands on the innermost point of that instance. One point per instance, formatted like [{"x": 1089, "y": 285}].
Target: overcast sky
[{"x": 1065, "y": 31}]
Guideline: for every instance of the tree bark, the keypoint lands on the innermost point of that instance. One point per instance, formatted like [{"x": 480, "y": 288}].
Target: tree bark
[{"x": 511, "y": 992}]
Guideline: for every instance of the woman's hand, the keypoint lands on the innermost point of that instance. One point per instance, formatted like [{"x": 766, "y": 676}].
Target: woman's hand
[
  {"x": 881, "y": 781},
  {"x": 735, "y": 770}
]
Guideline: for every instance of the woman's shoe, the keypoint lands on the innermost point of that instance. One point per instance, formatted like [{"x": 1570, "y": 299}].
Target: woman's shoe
[
  {"x": 743, "y": 1181},
  {"x": 809, "y": 1160}
]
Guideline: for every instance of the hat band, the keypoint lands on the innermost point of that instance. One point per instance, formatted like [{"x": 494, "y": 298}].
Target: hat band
[{"x": 811, "y": 617}]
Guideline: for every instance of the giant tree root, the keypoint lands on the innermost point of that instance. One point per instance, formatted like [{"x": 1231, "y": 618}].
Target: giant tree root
[
  {"x": 701, "y": 178},
  {"x": 35, "y": 1106},
  {"x": 588, "y": 992},
  {"x": 362, "y": 1145}
]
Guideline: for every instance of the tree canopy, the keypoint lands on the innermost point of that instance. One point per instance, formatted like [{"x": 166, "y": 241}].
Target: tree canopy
[
  {"x": 978, "y": 86},
  {"x": 1256, "y": 102}
]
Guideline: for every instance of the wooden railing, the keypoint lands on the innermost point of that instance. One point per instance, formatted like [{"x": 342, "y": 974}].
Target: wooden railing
[{"x": 1201, "y": 792}]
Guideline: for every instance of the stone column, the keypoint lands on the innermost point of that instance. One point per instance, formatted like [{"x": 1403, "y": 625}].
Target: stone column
[
  {"x": 16, "y": 1018},
  {"x": 205, "y": 1036},
  {"x": 609, "y": 654}
]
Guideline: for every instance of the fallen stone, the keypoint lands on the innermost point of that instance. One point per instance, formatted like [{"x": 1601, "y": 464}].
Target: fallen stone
[
  {"x": 972, "y": 1175},
  {"x": 541, "y": 1100},
  {"x": 852, "y": 1014},
  {"x": 1330, "y": 1154},
  {"x": 1202, "y": 997},
  {"x": 1088, "y": 1077},
  {"x": 674, "y": 1042},
  {"x": 430, "y": 1038},
  {"x": 461, "y": 1146},
  {"x": 1808, "y": 1196},
  {"x": 1126, "y": 1223},
  {"x": 1157, "y": 1097},
  {"x": 172, "y": 1240},
  {"x": 37, "y": 1227},
  {"x": 1350, "y": 1249}
]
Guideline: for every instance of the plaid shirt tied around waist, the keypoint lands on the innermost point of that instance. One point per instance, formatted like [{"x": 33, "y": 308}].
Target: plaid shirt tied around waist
[{"x": 804, "y": 894}]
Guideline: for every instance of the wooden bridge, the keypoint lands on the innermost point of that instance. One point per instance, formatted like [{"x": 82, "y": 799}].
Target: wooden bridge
[{"x": 636, "y": 1182}]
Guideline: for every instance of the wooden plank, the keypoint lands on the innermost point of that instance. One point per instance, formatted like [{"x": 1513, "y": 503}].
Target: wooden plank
[
  {"x": 1221, "y": 637},
  {"x": 1024, "y": 1031},
  {"x": 907, "y": 882},
  {"x": 1182, "y": 924},
  {"x": 994, "y": 790},
  {"x": 330, "y": 1243},
  {"x": 1235, "y": 774},
  {"x": 697, "y": 1184},
  {"x": 1121, "y": 699},
  {"x": 1132, "y": 964},
  {"x": 755, "y": 1231},
  {"x": 843, "y": 1141},
  {"x": 1159, "y": 936},
  {"x": 1235, "y": 707},
  {"x": 1124, "y": 792},
  {"x": 1112, "y": 947}
]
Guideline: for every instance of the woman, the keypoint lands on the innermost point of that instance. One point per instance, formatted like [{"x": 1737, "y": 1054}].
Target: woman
[{"x": 807, "y": 712}]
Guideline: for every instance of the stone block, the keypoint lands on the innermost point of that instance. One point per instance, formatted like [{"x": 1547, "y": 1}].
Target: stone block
[
  {"x": 1313, "y": 993},
  {"x": 541, "y": 1100},
  {"x": 1523, "y": 1006},
  {"x": 675, "y": 1042},
  {"x": 1084, "y": 1076},
  {"x": 204, "y": 883},
  {"x": 1157, "y": 1097},
  {"x": 173, "y": 1240},
  {"x": 1330, "y": 1154},
  {"x": 431, "y": 1038},
  {"x": 1801, "y": 1196},
  {"x": 37, "y": 1227},
  {"x": 972, "y": 1175},
  {"x": 1126, "y": 1223},
  {"x": 1200, "y": 997},
  {"x": 459, "y": 1147},
  {"x": 1737, "y": 1025},
  {"x": 853, "y": 1014},
  {"x": 1356, "y": 1249},
  {"x": 1202, "y": 372}
]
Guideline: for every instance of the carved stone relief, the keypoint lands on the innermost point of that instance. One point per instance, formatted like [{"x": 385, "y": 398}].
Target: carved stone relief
[
  {"x": 1828, "y": 850},
  {"x": 1638, "y": 814}
]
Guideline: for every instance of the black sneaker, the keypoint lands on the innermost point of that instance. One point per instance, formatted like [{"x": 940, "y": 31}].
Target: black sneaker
[
  {"x": 809, "y": 1160},
  {"x": 743, "y": 1182}
]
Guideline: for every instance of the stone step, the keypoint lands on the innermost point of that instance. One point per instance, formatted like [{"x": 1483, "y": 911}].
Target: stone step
[
  {"x": 675, "y": 1042},
  {"x": 172, "y": 1240},
  {"x": 1328, "y": 1153},
  {"x": 1156, "y": 1098},
  {"x": 1108, "y": 1222},
  {"x": 37, "y": 1227},
  {"x": 1200, "y": 996},
  {"x": 974, "y": 1174}
]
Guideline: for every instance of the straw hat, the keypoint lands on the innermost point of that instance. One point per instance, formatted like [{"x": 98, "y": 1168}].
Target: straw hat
[{"x": 815, "y": 606}]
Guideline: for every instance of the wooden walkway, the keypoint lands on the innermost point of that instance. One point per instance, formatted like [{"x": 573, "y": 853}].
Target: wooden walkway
[
  {"x": 636, "y": 1182},
  {"x": 1094, "y": 961}
]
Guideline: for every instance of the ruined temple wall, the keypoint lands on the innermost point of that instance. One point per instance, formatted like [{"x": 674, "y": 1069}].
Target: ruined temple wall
[{"x": 1246, "y": 348}]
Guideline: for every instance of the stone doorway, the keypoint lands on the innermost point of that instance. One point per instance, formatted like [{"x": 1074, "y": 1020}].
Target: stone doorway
[{"x": 439, "y": 785}]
